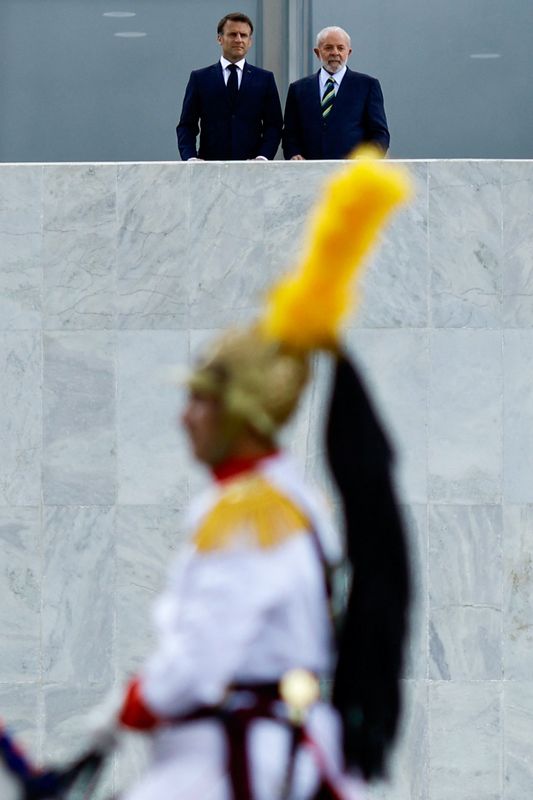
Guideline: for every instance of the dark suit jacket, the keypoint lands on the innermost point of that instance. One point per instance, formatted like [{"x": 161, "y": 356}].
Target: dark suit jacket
[
  {"x": 357, "y": 116},
  {"x": 252, "y": 128}
]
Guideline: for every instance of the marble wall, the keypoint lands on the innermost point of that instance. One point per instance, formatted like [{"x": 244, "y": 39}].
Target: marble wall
[{"x": 110, "y": 275}]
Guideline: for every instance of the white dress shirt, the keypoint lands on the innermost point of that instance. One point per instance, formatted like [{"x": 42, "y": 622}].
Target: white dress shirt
[
  {"x": 226, "y": 72},
  {"x": 324, "y": 76}
]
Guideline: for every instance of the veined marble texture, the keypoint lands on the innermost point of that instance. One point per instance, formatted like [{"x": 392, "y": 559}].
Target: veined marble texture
[
  {"x": 465, "y": 427},
  {"x": 518, "y": 416},
  {"x": 20, "y": 418},
  {"x": 79, "y": 247},
  {"x": 20, "y": 594},
  {"x": 466, "y": 759},
  {"x": 114, "y": 275},
  {"x": 152, "y": 246},
  {"x": 152, "y": 461},
  {"x": 21, "y": 275},
  {"x": 147, "y": 539},
  {"x": 518, "y": 592},
  {"x": 465, "y": 244},
  {"x": 517, "y": 204},
  {"x": 77, "y": 613},
  {"x": 518, "y": 732},
  {"x": 79, "y": 418}
]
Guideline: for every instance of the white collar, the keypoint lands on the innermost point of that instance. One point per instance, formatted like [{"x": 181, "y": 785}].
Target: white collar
[
  {"x": 225, "y": 63},
  {"x": 337, "y": 77}
]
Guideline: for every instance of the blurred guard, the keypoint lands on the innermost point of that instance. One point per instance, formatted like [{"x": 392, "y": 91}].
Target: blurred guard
[{"x": 244, "y": 629}]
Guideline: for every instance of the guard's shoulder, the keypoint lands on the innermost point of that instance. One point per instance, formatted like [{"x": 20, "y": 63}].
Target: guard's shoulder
[{"x": 250, "y": 512}]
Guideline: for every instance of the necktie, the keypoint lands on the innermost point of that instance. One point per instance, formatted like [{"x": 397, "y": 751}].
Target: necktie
[
  {"x": 328, "y": 97},
  {"x": 233, "y": 84}
]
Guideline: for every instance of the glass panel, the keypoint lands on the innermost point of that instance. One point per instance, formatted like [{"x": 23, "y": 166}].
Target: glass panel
[
  {"x": 72, "y": 90},
  {"x": 456, "y": 76}
]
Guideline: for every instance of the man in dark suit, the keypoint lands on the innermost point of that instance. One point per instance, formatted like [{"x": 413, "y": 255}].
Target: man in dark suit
[
  {"x": 234, "y": 106},
  {"x": 330, "y": 113}
]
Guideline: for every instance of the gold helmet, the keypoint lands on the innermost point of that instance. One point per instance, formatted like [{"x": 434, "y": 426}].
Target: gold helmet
[
  {"x": 258, "y": 373},
  {"x": 258, "y": 380}
]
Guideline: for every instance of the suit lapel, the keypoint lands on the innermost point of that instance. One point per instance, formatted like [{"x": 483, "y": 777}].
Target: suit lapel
[
  {"x": 219, "y": 75},
  {"x": 247, "y": 82},
  {"x": 313, "y": 95}
]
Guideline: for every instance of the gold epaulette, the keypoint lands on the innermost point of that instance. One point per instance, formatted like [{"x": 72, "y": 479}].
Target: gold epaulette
[{"x": 250, "y": 512}]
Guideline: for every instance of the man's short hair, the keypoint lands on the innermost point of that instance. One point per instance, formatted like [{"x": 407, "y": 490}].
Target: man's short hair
[
  {"x": 331, "y": 29},
  {"x": 235, "y": 16}
]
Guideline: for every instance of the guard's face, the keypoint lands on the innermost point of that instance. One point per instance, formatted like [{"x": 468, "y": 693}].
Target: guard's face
[
  {"x": 202, "y": 419},
  {"x": 235, "y": 40},
  {"x": 333, "y": 51}
]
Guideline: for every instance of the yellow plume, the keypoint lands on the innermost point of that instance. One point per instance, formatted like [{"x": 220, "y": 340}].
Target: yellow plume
[{"x": 306, "y": 308}]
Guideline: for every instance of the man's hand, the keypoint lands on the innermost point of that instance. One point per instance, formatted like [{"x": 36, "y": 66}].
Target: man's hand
[
  {"x": 297, "y": 157},
  {"x": 194, "y": 158}
]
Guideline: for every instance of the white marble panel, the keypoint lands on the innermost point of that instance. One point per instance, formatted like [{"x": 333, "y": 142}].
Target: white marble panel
[
  {"x": 79, "y": 463},
  {"x": 465, "y": 244},
  {"x": 518, "y": 735},
  {"x": 518, "y": 416},
  {"x": 518, "y": 592},
  {"x": 153, "y": 259},
  {"x": 79, "y": 244},
  {"x": 226, "y": 256},
  {"x": 396, "y": 366},
  {"x": 465, "y": 643},
  {"x": 67, "y": 710},
  {"x": 465, "y": 592},
  {"x": 416, "y": 652},
  {"x": 465, "y": 556},
  {"x": 465, "y": 741},
  {"x": 409, "y": 764},
  {"x": 465, "y": 417},
  {"x": 227, "y": 200},
  {"x": 394, "y": 285},
  {"x": 517, "y": 191},
  {"x": 227, "y": 281},
  {"x": 20, "y": 418},
  {"x": 20, "y": 594},
  {"x": 78, "y": 594},
  {"x": 20, "y": 247},
  {"x": 147, "y": 539},
  {"x": 152, "y": 465},
  {"x": 290, "y": 193},
  {"x": 21, "y": 712}
]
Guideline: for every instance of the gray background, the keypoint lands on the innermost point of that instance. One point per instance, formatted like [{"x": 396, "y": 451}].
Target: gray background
[{"x": 72, "y": 91}]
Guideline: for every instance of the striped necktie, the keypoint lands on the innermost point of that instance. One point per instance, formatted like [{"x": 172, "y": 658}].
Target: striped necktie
[{"x": 328, "y": 97}]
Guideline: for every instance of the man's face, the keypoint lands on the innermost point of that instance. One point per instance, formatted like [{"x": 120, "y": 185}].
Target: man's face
[
  {"x": 235, "y": 40},
  {"x": 333, "y": 51},
  {"x": 203, "y": 421}
]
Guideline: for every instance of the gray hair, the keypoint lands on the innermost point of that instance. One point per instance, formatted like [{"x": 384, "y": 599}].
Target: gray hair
[{"x": 331, "y": 29}]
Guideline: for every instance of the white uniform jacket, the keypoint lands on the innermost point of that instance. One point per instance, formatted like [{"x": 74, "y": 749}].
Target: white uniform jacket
[{"x": 244, "y": 604}]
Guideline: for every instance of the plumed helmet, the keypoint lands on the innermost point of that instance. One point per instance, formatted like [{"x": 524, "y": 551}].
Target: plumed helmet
[
  {"x": 259, "y": 372},
  {"x": 258, "y": 380}
]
